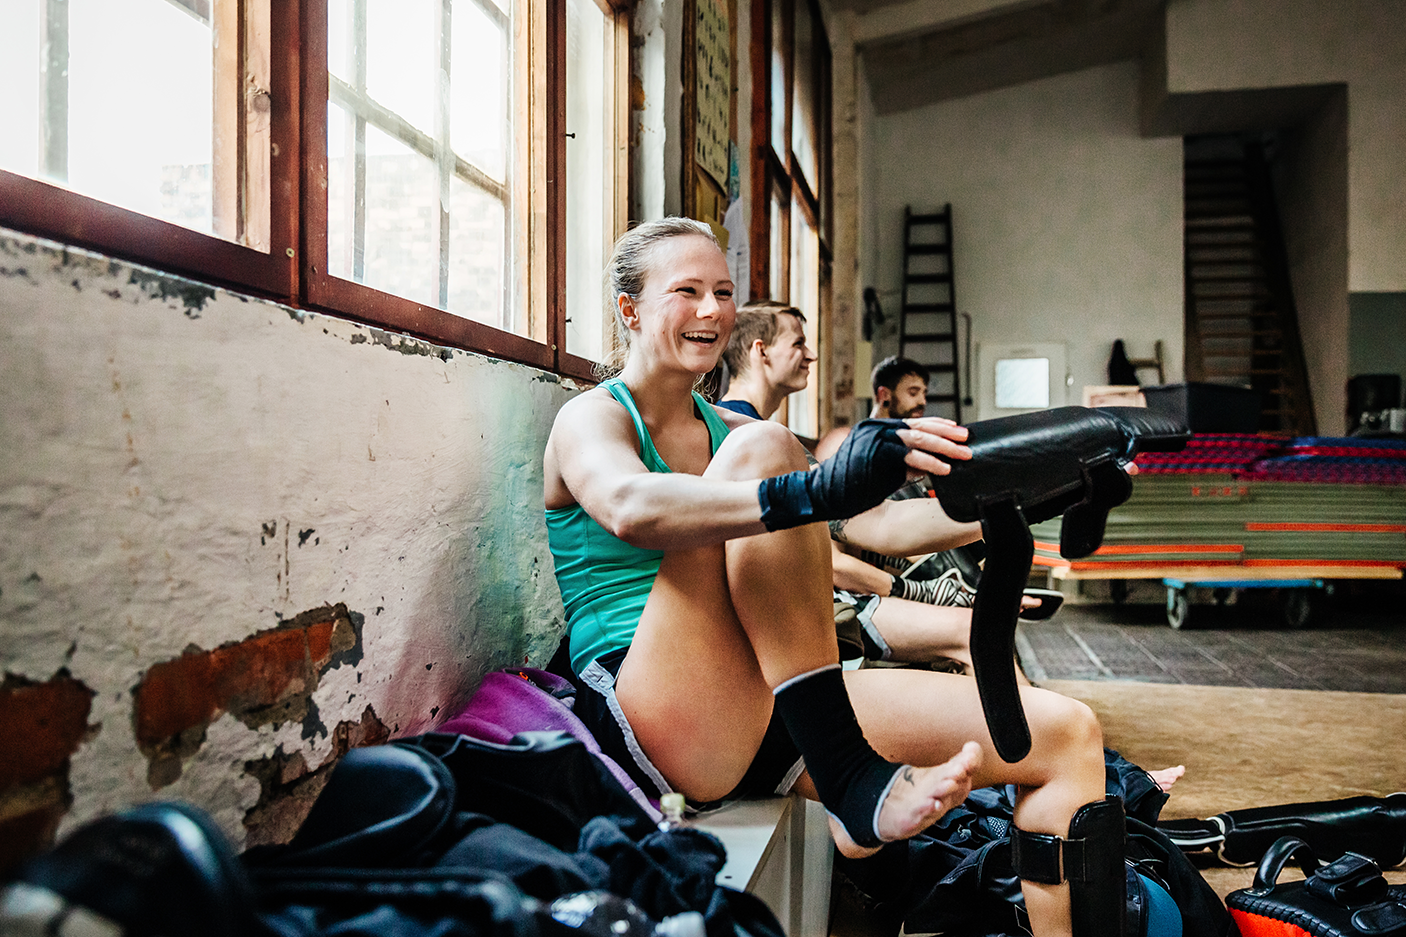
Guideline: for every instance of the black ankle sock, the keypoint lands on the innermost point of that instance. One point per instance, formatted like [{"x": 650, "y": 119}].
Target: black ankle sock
[{"x": 850, "y": 777}]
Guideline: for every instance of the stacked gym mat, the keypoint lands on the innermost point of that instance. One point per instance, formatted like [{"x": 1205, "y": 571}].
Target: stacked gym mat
[{"x": 1234, "y": 504}]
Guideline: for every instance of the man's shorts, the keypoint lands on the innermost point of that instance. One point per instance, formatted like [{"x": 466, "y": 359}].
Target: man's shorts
[
  {"x": 875, "y": 647},
  {"x": 773, "y": 771}
]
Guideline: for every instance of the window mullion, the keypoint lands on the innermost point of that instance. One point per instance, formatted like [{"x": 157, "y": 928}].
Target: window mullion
[
  {"x": 507, "y": 311},
  {"x": 444, "y": 156},
  {"x": 53, "y": 92},
  {"x": 359, "y": 154}
]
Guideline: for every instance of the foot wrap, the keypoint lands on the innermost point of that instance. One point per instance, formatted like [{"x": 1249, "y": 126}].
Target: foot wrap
[
  {"x": 850, "y": 777},
  {"x": 1090, "y": 859}
]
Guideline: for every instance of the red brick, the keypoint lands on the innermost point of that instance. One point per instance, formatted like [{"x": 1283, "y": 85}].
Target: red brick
[
  {"x": 26, "y": 835},
  {"x": 197, "y": 688},
  {"x": 320, "y": 642},
  {"x": 41, "y": 725}
]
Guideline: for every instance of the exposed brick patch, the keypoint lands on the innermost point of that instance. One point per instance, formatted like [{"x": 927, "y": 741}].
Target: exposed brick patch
[
  {"x": 266, "y": 678},
  {"x": 41, "y": 726},
  {"x": 288, "y": 788}
]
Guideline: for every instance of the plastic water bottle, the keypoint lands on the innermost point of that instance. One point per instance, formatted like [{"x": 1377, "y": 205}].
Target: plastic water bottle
[
  {"x": 671, "y": 805},
  {"x": 601, "y": 914}
]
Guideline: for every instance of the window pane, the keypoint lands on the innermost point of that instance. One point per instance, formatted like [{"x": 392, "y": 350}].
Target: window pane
[
  {"x": 402, "y": 58},
  {"x": 803, "y": 409},
  {"x": 341, "y": 194},
  {"x": 476, "y": 249},
  {"x": 589, "y": 171},
  {"x": 70, "y": 73},
  {"x": 1023, "y": 383},
  {"x": 20, "y": 25},
  {"x": 803, "y": 109},
  {"x": 402, "y": 220},
  {"x": 341, "y": 39},
  {"x": 777, "y": 273},
  {"x": 114, "y": 154},
  {"x": 419, "y": 187},
  {"x": 479, "y": 84}
]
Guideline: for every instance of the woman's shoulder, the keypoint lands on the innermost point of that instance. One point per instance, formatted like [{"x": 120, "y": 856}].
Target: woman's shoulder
[
  {"x": 595, "y": 399},
  {"x": 731, "y": 418},
  {"x": 593, "y": 413}
]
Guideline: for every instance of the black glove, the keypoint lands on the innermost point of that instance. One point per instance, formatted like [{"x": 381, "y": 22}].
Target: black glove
[{"x": 866, "y": 469}]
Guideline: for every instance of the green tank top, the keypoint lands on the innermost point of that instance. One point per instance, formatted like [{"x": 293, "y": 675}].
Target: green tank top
[{"x": 605, "y": 581}]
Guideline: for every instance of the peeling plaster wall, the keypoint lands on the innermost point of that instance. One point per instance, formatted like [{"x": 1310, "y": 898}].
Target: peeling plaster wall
[
  {"x": 1217, "y": 45},
  {"x": 1067, "y": 223},
  {"x": 187, "y": 470}
]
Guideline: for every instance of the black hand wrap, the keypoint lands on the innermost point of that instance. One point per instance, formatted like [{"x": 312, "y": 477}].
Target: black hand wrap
[{"x": 866, "y": 469}]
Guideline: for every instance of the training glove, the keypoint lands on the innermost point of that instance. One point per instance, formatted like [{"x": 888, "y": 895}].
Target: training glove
[{"x": 866, "y": 469}]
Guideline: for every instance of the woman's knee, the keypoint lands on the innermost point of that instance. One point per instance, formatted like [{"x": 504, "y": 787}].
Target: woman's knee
[
  {"x": 757, "y": 450},
  {"x": 1063, "y": 728}
]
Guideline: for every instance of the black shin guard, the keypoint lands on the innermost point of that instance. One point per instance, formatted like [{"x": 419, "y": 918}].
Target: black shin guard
[
  {"x": 1090, "y": 859},
  {"x": 850, "y": 777}
]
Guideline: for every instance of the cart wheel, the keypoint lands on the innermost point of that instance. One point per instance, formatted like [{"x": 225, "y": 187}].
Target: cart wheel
[
  {"x": 1118, "y": 590},
  {"x": 1298, "y": 607},
  {"x": 1178, "y": 608}
]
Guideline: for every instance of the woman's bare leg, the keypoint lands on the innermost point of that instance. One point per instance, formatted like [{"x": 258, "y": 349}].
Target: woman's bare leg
[
  {"x": 726, "y": 625},
  {"x": 923, "y": 718}
]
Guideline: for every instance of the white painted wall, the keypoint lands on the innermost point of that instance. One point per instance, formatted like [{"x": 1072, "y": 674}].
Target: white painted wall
[
  {"x": 1068, "y": 224},
  {"x": 147, "y": 442},
  {"x": 1232, "y": 44}
]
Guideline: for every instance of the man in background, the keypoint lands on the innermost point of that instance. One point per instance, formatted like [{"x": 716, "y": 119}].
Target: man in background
[
  {"x": 900, "y": 389},
  {"x": 767, "y": 358}
]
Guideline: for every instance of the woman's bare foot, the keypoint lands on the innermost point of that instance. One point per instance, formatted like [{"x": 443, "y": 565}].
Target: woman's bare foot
[
  {"x": 1166, "y": 777},
  {"x": 918, "y": 798}
]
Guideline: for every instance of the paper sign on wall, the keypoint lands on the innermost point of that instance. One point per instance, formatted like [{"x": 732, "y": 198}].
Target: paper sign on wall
[{"x": 714, "y": 88}]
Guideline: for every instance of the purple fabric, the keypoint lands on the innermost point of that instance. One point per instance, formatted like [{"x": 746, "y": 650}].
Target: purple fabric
[{"x": 531, "y": 700}]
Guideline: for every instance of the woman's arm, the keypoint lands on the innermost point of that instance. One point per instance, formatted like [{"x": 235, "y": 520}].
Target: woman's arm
[{"x": 591, "y": 460}]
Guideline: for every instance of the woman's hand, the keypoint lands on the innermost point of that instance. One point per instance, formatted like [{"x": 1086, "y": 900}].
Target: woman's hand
[{"x": 928, "y": 438}]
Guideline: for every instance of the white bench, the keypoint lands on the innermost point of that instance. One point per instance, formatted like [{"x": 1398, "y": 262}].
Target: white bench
[{"x": 780, "y": 850}]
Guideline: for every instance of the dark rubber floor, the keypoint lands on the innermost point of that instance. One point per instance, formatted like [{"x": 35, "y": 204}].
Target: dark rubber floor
[{"x": 1355, "y": 641}]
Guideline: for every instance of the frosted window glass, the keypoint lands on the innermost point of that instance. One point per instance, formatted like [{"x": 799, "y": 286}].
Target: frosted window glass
[{"x": 1023, "y": 383}]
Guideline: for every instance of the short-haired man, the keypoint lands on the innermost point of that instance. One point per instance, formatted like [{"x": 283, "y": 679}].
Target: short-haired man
[
  {"x": 900, "y": 389},
  {"x": 767, "y": 358}
]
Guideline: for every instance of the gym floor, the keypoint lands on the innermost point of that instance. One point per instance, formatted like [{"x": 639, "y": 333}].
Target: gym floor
[{"x": 1355, "y": 641}]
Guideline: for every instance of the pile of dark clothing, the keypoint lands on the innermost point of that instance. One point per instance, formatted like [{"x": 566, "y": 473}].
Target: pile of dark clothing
[{"x": 437, "y": 836}]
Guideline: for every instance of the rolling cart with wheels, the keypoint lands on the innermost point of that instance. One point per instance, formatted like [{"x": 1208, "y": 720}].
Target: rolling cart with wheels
[{"x": 1296, "y": 597}]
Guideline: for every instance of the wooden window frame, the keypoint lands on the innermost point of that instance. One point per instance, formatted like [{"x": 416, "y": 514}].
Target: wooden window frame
[
  {"x": 780, "y": 173},
  {"x": 367, "y": 304},
  {"x": 617, "y": 13},
  {"x": 771, "y": 168},
  {"x": 293, "y": 270},
  {"x": 51, "y": 211}
]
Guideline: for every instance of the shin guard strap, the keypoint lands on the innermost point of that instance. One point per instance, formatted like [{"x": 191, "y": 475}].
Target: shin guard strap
[
  {"x": 1037, "y": 857},
  {"x": 1053, "y": 860}
]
